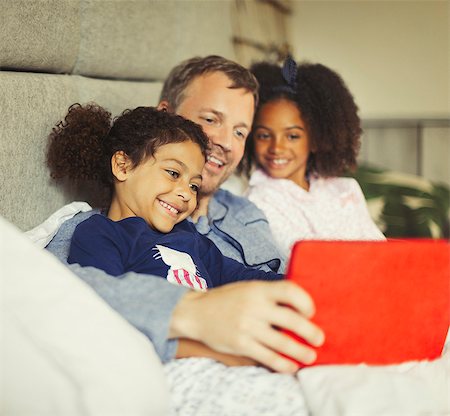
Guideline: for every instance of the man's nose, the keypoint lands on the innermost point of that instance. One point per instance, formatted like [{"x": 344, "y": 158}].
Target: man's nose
[{"x": 222, "y": 137}]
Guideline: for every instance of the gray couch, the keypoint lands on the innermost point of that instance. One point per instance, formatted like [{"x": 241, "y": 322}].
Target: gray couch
[{"x": 54, "y": 53}]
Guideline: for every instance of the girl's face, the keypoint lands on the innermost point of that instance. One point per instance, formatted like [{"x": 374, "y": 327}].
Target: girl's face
[
  {"x": 163, "y": 189},
  {"x": 281, "y": 141}
]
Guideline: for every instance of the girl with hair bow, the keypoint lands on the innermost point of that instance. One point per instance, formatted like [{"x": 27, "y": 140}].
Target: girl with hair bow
[{"x": 306, "y": 135}]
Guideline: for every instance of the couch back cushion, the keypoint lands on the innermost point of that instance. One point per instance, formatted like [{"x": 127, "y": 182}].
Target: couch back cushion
[{"x": 54, "y": 53}]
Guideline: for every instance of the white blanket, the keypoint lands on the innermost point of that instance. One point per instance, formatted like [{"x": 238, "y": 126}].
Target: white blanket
[
  {"x": 200, "y": 386},
  {"x": 414, "y": 388},
  {"x": 42, "y": 234},
  {"x": 205, "y": 387}
]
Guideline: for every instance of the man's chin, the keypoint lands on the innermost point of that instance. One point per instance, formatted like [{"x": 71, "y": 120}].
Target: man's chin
[
  {"x": 208, "y": 191},
  {"x": 210, "y": 188},
  {"x": 211, "y": 183}
]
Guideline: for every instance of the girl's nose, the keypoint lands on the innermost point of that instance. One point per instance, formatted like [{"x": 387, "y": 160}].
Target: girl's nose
[
  {"x": 184, "y": 192},
  {"x": 276, "y": 146}
]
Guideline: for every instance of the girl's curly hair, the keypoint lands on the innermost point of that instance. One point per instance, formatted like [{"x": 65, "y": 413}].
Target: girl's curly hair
[
  {"x": 327, "y": 108},
  {"x": 80, "y": 147}
]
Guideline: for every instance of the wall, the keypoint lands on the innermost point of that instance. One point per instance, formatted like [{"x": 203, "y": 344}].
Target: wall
[{"x": 394, "y": 55}]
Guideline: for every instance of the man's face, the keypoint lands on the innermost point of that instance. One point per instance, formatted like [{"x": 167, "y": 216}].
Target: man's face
[{"x": 226, "y": 117}]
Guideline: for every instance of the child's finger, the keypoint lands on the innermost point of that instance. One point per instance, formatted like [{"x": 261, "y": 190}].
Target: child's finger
[
  {"x": 271, "y": 359},
  {"x": 286, "y": 318},
  {"x": 288, "y": 293}
]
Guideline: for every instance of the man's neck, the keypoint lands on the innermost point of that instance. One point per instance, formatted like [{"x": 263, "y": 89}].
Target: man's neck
[{"x": 202, "y": 207}]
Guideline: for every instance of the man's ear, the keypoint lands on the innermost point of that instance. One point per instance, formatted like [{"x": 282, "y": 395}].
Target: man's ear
[
  {"x": 120, "y": 165},
  {"x": 165, "y": 106}
]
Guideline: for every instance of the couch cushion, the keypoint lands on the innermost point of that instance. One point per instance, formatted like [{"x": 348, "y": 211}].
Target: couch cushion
[
  {"x": 39, "y": 35},
  {"x": 31, "y": 105},
  {"x": 121, "y": 39}
]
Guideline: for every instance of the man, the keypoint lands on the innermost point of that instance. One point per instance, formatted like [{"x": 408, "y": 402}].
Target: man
[
  {"x": 221, "y": 96},
  {"x": 237, "y": 319}
]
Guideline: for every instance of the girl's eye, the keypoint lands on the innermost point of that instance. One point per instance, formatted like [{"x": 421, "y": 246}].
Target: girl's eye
[
  {"x": 293, "y": 137},
  {"x": 262, "y": 136},
  {"x": 194, "y": 187},
  {"x": 173, "y": 173}
]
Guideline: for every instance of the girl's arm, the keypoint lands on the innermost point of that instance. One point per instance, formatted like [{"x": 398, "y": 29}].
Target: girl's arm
[
  {"x": 223, "y": 270},
  {"x": 367, "y": 225},
  {"x": 95, "y": 243},
  {"x": 190, "y": 348}
]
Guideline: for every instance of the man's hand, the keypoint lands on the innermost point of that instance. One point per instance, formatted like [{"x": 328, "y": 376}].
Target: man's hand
[{"x": 241, "y": 319}]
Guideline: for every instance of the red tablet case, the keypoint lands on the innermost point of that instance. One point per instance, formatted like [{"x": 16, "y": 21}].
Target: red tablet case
[{"x": 382, "y": 302}]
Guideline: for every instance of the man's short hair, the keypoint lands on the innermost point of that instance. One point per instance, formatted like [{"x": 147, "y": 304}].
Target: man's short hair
[{"x": 184, "y": 73}]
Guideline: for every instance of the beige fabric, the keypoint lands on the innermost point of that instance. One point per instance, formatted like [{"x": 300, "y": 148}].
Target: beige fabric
[
  {"x": 260, "y": 30},
  {"x": 31, "y": 104},
  {"x": 39, "y": 35},
  {"x": 125, "y": 39},
  {"x": 145, "y": 39}
]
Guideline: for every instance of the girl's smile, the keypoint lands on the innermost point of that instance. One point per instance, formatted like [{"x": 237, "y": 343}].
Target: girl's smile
[
  {"x": 171, "y": 209},
  {"x": 277, "y": 163},
  {"x": 162, "y": 190}
]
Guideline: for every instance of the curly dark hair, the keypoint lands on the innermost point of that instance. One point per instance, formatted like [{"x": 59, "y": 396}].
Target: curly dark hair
[
  {"x": 80, "y": 147},
  {"x": 327, "y": 108},
  {"x": 183, "y": 74}
]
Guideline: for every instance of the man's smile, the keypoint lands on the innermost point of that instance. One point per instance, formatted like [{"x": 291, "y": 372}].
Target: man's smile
[{"x": 214, "y": 161}]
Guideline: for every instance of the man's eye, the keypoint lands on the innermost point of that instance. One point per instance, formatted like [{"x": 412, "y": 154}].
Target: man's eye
[
  {"x": 208, "y": 120},
  {"x": 173, "y": 173},
  {"x": 194, "y": 187},
  {"x": 240, "y": 134}
]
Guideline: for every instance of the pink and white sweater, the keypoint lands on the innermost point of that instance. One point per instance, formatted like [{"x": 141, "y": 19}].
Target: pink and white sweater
[{"x": 332, "y": 209}]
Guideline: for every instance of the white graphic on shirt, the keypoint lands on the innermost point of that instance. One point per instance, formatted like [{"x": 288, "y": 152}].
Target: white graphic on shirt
[{"x": 182, "y": 268}]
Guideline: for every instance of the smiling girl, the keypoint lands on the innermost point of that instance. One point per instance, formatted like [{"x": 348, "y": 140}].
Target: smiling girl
[
  {"x": 151, "y": 161},
  {"x": 306, "y": 133}
]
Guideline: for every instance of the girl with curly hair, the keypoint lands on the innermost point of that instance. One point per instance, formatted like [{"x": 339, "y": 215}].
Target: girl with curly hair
[
  {"x": 306, "y": 134},
  {"x": 152, "y": 163}
]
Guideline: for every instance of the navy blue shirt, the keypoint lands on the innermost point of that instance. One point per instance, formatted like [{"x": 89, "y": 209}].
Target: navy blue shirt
[{"x": 183, "y": 256}]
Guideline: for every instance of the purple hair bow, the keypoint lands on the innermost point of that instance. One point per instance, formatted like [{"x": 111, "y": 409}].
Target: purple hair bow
[{"x": 289, "y": 72}]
